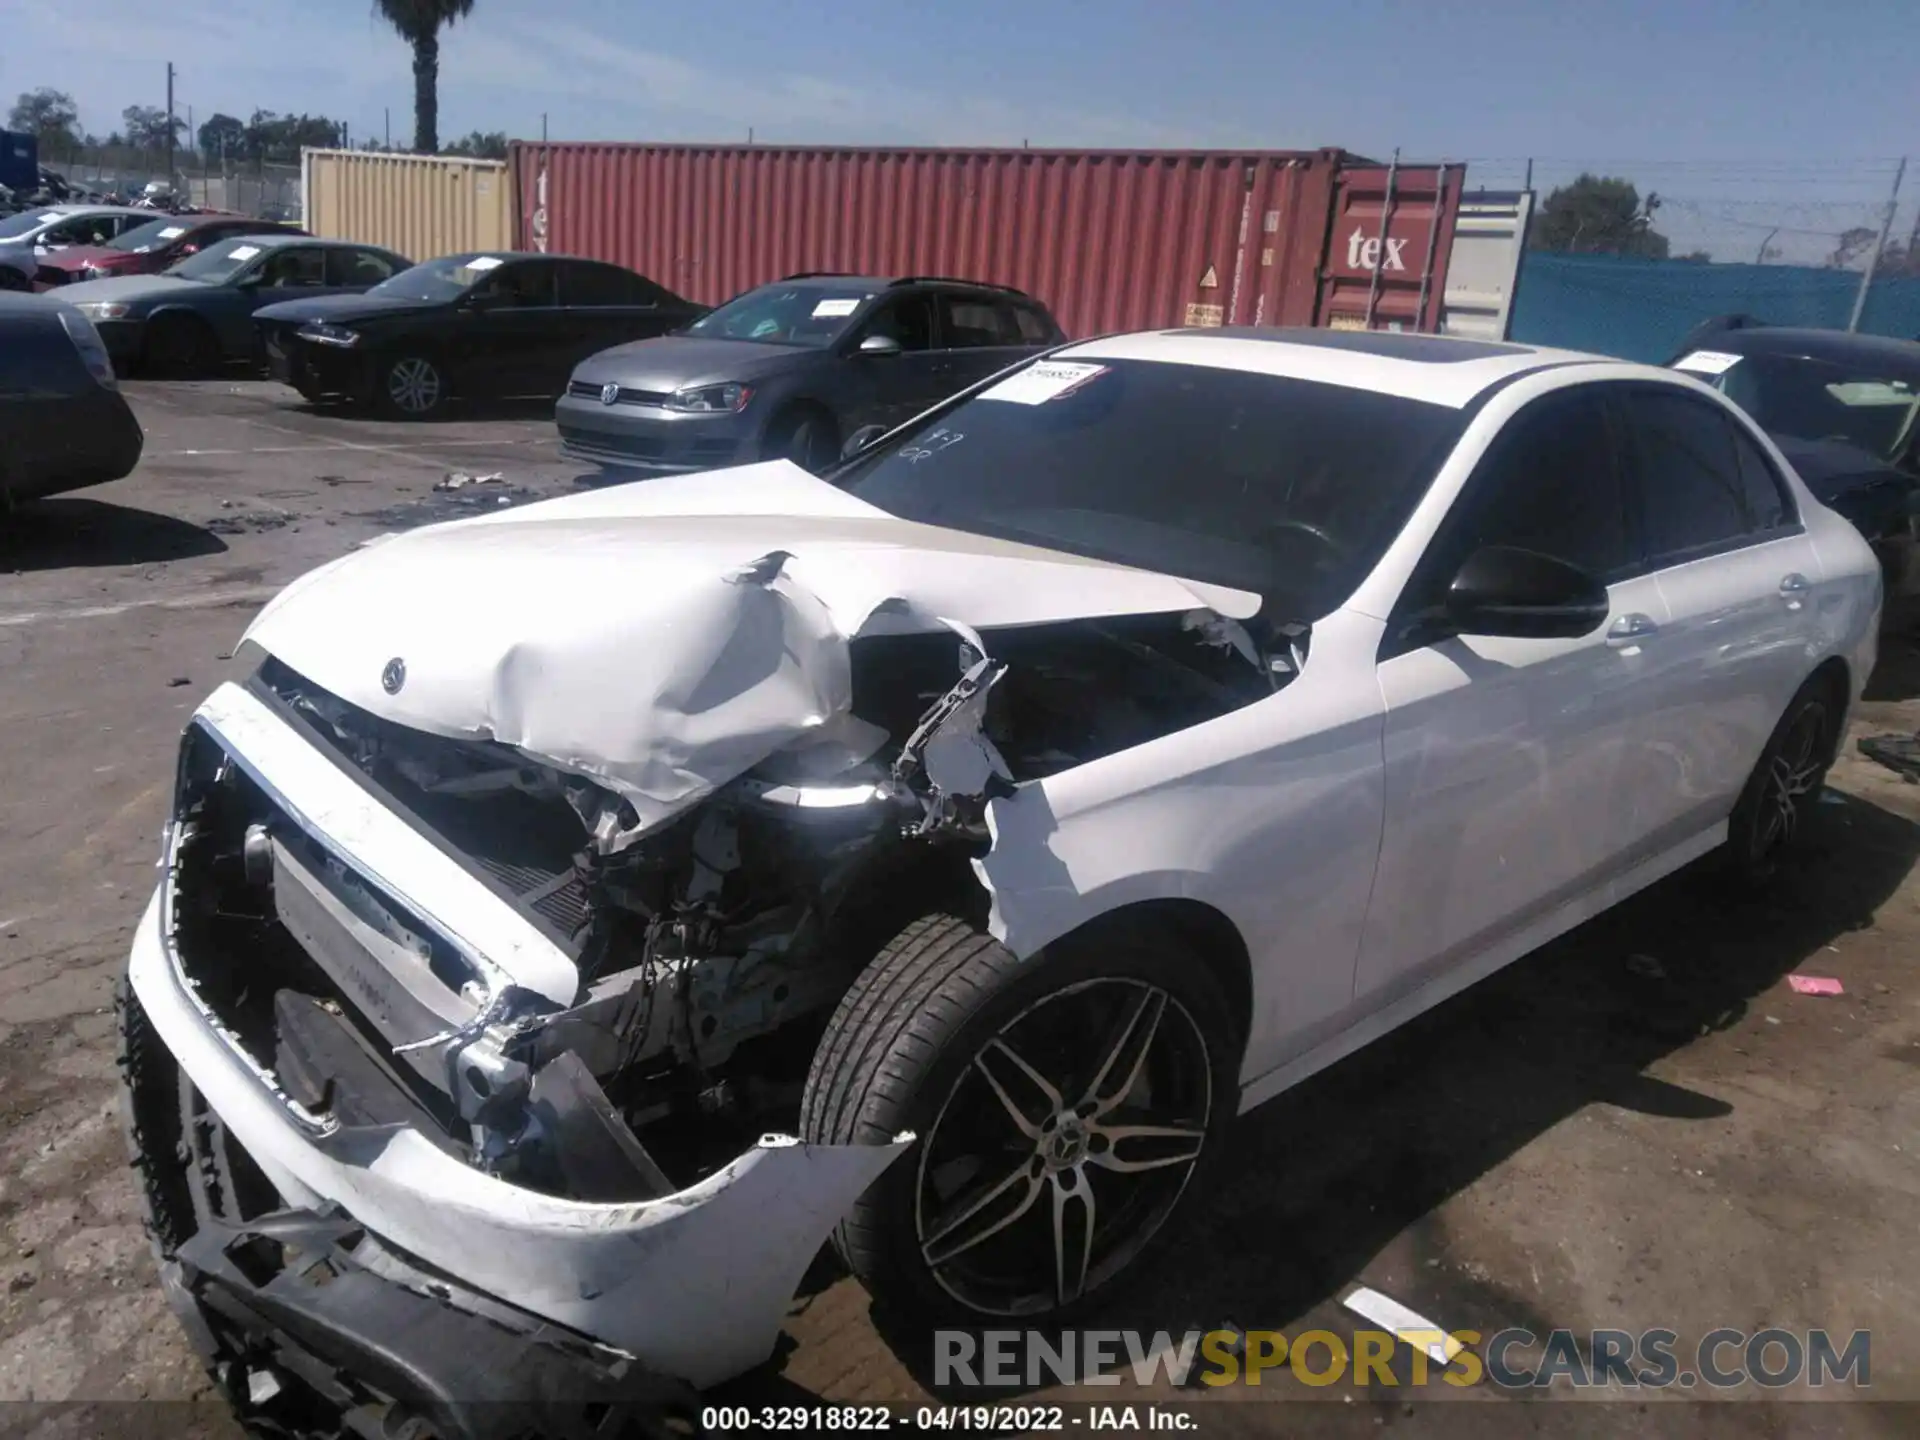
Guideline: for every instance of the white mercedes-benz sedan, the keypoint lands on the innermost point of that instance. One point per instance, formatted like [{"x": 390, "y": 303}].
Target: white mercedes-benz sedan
[{"x": 579, "y": 913}]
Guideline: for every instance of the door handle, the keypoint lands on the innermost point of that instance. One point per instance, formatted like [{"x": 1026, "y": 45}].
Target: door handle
[
  {"x": 1793, "y": 590},
  {"x": 1631, "y": 628}
]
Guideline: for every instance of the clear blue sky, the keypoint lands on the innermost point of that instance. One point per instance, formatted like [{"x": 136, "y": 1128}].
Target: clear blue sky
[{"x": 1801, "y": 96}]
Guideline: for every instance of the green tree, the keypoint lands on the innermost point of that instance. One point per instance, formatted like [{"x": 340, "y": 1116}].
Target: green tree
[
  {"x": 419, "y": 23},
  {"x": 48, "y": 114},
  {"x": 222, "y": 137},
  {"x": 1851, "y": 245},
  {"x": 1599, "y": 216},
  {"x": 279, "y": 139},
  {"x": 481, "y": 145},
  {"x": 147, "y": 126}
]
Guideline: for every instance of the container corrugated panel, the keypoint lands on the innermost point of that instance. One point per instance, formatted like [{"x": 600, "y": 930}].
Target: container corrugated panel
[
  {"x": 1389, "y": 245},
  {"x": 1109, "y": 240},
  {"x": 420, "y": 205}
]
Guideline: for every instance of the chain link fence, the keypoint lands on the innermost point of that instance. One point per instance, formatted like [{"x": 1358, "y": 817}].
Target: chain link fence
[{"x": 240, "y": 186}]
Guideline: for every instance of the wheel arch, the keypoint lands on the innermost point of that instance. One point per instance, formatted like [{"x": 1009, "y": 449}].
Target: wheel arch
[
  {"x": 1214, "y": 940},
  {"x": 1836, "y": 676}
]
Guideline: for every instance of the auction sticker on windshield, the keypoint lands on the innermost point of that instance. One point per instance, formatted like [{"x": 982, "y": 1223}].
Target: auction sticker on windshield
[
  {"x": 243, "y": 252},
  {"x": 1048, "y": 380},
  {"x": 1707, "y": 362},
  {"x": 173, "y": 232},
  {"x": 834, "y": 309},
  {"x": 483, "y": 262}
]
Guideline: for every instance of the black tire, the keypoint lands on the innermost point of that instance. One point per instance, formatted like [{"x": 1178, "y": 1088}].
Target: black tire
[
  {"x": 904, "y": 1051},
  {"x": 181, "y": 347},
  {"x": 410, "y": 385},
  {"x": 1785, "y": 783},
  {"x": 805, "y": 435}
]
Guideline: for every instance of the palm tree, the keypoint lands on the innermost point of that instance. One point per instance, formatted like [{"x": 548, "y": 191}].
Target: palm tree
[{"x": 420, "y": 23}]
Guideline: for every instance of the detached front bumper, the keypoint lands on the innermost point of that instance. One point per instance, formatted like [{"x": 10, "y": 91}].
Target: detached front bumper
[
  {"x": 328, "y": 1309},
  {"x": 694, "y": 1284}
]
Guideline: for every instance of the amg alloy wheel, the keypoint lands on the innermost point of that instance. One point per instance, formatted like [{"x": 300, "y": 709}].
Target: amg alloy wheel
[
  {"x": 1036, "y": 1185},
  {"x": 1066, "y": 1106},
  {"x": 1785, "y": 782}
]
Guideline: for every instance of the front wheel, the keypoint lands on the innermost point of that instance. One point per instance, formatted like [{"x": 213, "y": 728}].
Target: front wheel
[
  {"x": 181, "y": 347},
  {"x": 409, "y": 387},
  {"x": 1065, "y": 1105},
  {"x": 805, "y": 436}
]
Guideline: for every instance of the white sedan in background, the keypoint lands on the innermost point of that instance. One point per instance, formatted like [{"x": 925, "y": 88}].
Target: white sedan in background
[{"x": 983, "y": 825}]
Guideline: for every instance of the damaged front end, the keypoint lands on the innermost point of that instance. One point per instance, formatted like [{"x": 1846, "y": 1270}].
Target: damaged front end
[{"x": 538, "y": 1037}]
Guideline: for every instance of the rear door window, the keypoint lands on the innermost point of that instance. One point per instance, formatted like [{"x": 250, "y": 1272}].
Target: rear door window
[
  {"x": 1693, "y": 495},
  {"x": 364, "y": 268},
  {"x": 584, "y": 283},
  {"x": 1035, "y": 328},
  {"x": 969, "y": 322}
]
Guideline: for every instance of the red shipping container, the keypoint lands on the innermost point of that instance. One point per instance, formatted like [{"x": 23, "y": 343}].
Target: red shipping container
[{"x": 1108, "y": 239}]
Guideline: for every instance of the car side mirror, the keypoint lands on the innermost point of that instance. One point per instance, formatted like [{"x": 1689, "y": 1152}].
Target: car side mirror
[
  {"x": 879, "y": 345},
  {"x": 861, "y": 439},
  {"x": 1504, "y": 590}
]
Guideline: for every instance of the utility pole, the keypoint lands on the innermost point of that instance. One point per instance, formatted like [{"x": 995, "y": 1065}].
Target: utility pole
[
  {"x": 389, "y": 114},
  {"x": 1879, "y": 244},
  {"x": 169, "y": 124},
  {"x": 543, "y": 127}
]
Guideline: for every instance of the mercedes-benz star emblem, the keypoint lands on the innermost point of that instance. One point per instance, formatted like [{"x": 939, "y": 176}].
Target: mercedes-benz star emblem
[
  {"x": 394, "y": 676},
  {"x": 609, "y": 394}
]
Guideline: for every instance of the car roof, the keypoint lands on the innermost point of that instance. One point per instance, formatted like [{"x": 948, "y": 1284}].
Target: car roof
[
  {"x": 81, "y": 207},
  {"x": 1811, "y": 344},
  {"x": 1438, "y": 369}
]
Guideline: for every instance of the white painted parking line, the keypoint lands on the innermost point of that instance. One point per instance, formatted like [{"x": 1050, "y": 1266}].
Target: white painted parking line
[
  {"x": 207, "y": 600},
  {"x": 350, "y": 445}
]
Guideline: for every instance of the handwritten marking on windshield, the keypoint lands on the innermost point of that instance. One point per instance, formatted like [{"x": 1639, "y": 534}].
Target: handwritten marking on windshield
[{"x": 931, "y": 444}]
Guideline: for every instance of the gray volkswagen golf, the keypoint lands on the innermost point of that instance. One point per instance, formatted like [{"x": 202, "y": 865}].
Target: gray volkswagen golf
[{"x": 794, "y": 369}]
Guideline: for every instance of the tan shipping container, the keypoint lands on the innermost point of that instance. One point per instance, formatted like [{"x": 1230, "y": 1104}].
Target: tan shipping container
[{"x": 420, "y": 205}]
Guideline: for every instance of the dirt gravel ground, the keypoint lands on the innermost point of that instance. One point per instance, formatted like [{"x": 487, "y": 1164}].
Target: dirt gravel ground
[{"x": 1641, "y": 1126}]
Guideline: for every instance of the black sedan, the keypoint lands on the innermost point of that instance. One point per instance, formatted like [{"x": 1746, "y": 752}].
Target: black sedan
[
  {"x": 63, "y": 422},
  {"x": 468, "y": 326},
  {"x": 1843, "y": 408},
  {"x": 191, "y": 319}
]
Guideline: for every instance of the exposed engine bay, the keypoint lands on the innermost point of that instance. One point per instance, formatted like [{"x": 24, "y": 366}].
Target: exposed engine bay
[{"x": 710, "y": 949}]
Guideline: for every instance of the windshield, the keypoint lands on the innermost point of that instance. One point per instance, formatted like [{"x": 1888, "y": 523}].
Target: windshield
[
  {"x": 1288, "y": 488},
  {"x": 1824, "y": 400},
  {"x": 26, "y": 222},
  {"x": 218, "y": 263},
  {"x": 149, "y": 236},
  {"x": 805, "y": 315},
  {"x": 438, "y": 281}
]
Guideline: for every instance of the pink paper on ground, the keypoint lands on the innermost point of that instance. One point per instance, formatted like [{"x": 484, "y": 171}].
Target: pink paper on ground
[{"x": 1815, "y": 985}]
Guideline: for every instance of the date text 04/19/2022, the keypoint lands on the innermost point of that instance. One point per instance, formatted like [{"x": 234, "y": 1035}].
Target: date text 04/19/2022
[{"x": 986, "y": 1419}]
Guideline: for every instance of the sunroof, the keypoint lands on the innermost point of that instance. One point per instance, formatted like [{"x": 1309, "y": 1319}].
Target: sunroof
[{"x": 1388, "y": 344}]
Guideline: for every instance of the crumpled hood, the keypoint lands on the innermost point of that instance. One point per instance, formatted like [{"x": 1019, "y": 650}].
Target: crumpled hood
[{"x": 664, "y": 637}]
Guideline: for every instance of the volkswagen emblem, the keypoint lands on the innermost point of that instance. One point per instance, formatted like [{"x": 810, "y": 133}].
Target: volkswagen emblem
[
  {"x": 394, "y": 676},
  {"x": 609, "y": 394}
]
